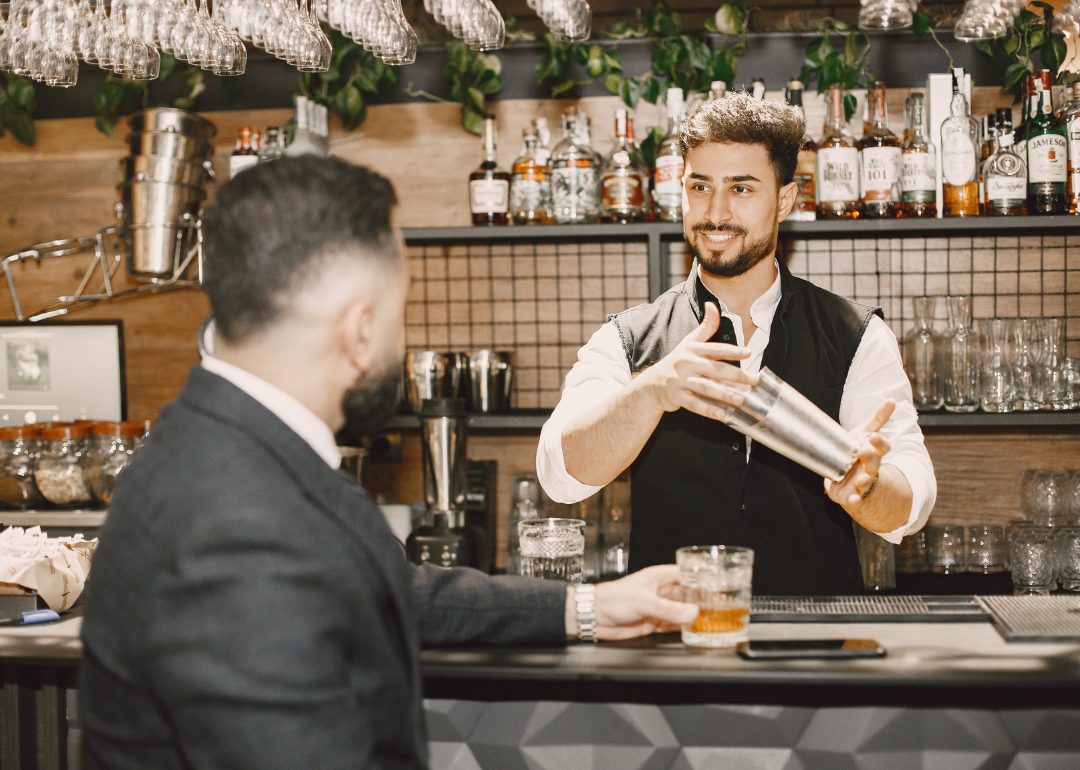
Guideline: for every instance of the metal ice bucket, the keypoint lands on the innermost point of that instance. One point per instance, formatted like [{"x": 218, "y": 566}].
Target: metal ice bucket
[
  {"x": 787, "y": 422},
  {"x": 172, "y": 120},
  {"x": 430, "y": 374},
  {"x": 170, "y": 144},
  {"x": 490, "y": 380},
  {"x": 161, "y": 168},
  {"x": 153, "y": 212}
]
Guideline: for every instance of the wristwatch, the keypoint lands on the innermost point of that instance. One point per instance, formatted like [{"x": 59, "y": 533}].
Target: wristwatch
[{"x": 585, "y": 603}]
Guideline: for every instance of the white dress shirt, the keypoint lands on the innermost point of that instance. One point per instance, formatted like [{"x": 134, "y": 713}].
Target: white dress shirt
[
  {"x": 303, "y": 422},
  {"x": 876, "y": 373}
]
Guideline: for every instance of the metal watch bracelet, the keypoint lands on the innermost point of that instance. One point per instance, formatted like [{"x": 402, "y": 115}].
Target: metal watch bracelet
[{"x": 585, "y": 604}]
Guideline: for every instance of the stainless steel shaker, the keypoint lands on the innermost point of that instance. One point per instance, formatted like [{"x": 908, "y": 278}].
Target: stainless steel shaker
[
  {"x": 490, "y": 380},
  {"x": 431, "y": 375}
]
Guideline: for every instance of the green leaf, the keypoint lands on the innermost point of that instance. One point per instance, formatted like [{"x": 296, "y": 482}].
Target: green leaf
[
  {"x": 16, "y": 121},
  {"x": 1068, "y": 78},
  {"x": 612, "y": 83},
  {"x": 851, "y": 50},
  {"x": 697, "y": 52},
  {"x": 595, "y": 64},
  {"x": 580, "y": 53},
  {"x": 104, "y": 125},
  {"x": 722, "y": 67},
  {"x": 471, "y": 121},
  {"x": 489, "y": 82},
  {"x": 474, "y": 100},
  {"x": 168, "y": 65},
  {"x": 649, "y": 144},
  {"x": 986, "y": 46},
  {"x": 562, "y": 86},
  {"x": 351, "y": 105},
  {"x": 1023, "y": 20},
  {"x": 841, "y": 26},
  {"x": 612, "y": 61},
  {"x": 1013, "y": 75},
  {"x": 710, "y": 25},
  {"x": 920, "y": 23},
  {"x": 1053, "y": 52},
  {"x": 1040, "y": 4},
  {"x": 1038, "y": 36},
  {"x": 817, "y": 51},
  {"x": 21, "y": 91},
  {"x": 193, "y": 84},
  {"x": 1011, "y": 43},
  {"x": 652, "y": 89},
  {"x": 491, "y": 62},
  {"x": 849, "y": 106},
  {"x": 662, "y": 60},
  {"x": 832, "y": 70}
]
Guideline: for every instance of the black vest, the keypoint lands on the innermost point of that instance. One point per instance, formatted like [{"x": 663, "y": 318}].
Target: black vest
[{"x": 692, "y": 483}]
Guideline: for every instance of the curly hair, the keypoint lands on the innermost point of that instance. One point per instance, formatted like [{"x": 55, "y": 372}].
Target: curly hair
[{"x": 739, "y": 118}]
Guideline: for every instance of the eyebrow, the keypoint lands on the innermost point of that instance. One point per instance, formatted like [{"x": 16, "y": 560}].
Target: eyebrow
[{"x": 736, "y": 178}]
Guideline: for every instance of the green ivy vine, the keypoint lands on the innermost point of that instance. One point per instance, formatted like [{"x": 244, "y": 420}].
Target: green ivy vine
[
  {"x": 825, "y": 64},
  {"x": 473, "y": 77},
  {"x": 1030, "y": 32},
  {"x": 18, "y": 100},
  {"x": 118, "y": 96}
]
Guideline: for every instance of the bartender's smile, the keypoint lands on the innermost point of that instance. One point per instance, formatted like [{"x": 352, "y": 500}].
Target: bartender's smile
[{"x": 719, "y": 237}]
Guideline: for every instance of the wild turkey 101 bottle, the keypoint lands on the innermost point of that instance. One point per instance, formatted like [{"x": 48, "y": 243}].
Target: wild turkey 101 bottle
[
  {"x": 837, "y": 179},
  {"x": 880, "y": 159}
]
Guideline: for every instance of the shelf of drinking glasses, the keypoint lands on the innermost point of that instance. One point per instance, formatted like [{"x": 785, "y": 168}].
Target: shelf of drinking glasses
[
  {"x": 853, "y": 228},
  {"x": 1035, "y": 419},
  {"x": 518, "y": 419}
]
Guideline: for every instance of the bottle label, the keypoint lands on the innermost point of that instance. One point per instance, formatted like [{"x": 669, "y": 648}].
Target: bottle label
[
  {"x": 238, "y": 163},
  {"x": 622, "y": 191},
  {"x": 527, "y": 192},
  {"x": 489, "y": 196},
  {"x": 573, "y": 186},
  {"x": 837, "y": 174},
  {"x": 919, "y": 177},
  {"x": 881, "y": 173},
  {"x": 1074, "y": 155},
  {"x": 1047, "y": 159},
  {"x": 1006, "y": 188},
  {"x": 804, "y": 177},
  {"x": 669, "y": 184},
  {"x": 957, "y": 159}
]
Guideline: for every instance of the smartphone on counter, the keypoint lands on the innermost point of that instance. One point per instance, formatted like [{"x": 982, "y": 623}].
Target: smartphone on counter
[{"x": 788, "y": 649}]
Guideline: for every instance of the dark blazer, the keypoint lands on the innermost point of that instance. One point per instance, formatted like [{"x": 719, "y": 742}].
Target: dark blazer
[{"x": 250, "y": 608}]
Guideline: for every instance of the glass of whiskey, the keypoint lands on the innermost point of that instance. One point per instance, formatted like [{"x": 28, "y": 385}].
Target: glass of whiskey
[{"x": 717, "y": 579}]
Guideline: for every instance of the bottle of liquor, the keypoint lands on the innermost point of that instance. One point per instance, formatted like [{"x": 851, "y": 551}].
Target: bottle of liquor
[
  {"x": 527, "y": 184},
  {"x": 623, "y": 178},
  {"x": 1070, "y": 116},
  {"x": 573, "y": 174},
  {"x": 668, "y": 184},
  {"x": 543, "y": 157},
  {"x": 918, "y": 167},
  {"x": 275, "y": 145},
  {"x": 489, "y": 188},
  {"x": 987, "y": 147},
  {"x": 1047, "y": 151},
  {"x": 959, "y": 157},
  {"x": 757, "y": 88},
  {"x": 646, "y": 202},
  {"x": 1005, "y": 179},
  {"x": 244, "y": 156},
  {"x": 836, "y": 182},
  {"x": 880, "y": 151},
  {"x": 805, "y": 209},
  {"x": 1027, "y": 89},
  {"x": 717, "y": 89}
]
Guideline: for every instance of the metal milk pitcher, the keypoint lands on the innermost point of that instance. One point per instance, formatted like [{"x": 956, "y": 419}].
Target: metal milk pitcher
[{"x": 787, "y": 422}]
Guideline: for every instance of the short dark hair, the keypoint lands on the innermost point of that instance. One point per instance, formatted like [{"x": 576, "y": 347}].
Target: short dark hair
[
  {"x": 270, "y": 226},
  {"x": 739, "y": 118}
]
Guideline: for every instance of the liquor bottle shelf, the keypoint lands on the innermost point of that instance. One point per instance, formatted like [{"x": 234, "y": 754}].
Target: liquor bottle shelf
[
  {"x": 534, "y": 419},
  {"x": 848, "y": 228}
]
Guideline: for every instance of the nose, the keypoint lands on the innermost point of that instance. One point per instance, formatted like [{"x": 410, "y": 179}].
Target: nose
[{"x": 718, "y": 211}]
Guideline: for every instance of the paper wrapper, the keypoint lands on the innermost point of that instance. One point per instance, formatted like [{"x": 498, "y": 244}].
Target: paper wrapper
[{"x": 55, "y": 567}]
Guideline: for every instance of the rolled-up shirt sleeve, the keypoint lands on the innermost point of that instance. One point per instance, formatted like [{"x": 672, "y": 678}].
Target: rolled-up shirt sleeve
[
  {"x": 601, "y": 370},
  {"x": 876, "y": 373}
]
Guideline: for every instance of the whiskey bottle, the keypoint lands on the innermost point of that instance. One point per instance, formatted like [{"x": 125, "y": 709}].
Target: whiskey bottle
[
  {"x": 244, "y": 156},
  {"x": 646, "y": 202},
  {"x": 1027, "y": 89},
  {"x": 918, "y": 167},
  {"x": 757, "y": 88},
  {"x": 573, "y": 174},
  {"x": 668, "y": 182},
  {"x": 717, "y": 90},
  {"x": 1047, "y": 150},
  {"x": 880, "y": 159},
  {"x": 527, "y": 184},
  {"x": 1071, "y": 117},
  {"x": 837, "y": 176},
  {"x": 987, "y": 147},
  {"x": 543, "y": 157},
  {"x": 805, "y": 209},
  {"x": 623, "y": 178},
  {"x": 959, "y": 157},
  {"x": 489, "y": 188},
  {"x": 1005, "y": 179}
]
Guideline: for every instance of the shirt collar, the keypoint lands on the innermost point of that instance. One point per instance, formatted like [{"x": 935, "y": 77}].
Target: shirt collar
[
  {"x": 303, "y": 422},
  {"x": 764, "y": 307}
]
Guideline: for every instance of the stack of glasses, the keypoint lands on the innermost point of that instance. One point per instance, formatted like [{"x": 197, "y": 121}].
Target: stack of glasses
[
  {"x": 477, "y": 22},
  {"x": 284, "y": 28},
  {"x": 887, "y": 14},
  {"x": 987, "y": 19},
  {"x": 996, "y": 364},
  {"x": 567, "y": 19},
  {"x": 379, "y": 26},
  {"x": 1067, "y": 20}
]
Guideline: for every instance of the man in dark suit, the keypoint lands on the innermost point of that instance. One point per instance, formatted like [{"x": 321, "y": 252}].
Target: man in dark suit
[{"x": 250, "y": 607}]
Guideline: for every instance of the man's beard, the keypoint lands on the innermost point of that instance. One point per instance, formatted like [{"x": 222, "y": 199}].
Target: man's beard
[
  {"x": 752, "y": 252},
  {"x": 372, "y": 400}
]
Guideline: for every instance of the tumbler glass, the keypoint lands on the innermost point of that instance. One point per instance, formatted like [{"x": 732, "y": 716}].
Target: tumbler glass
[
  {"x": 1044, "y": 497},
  {"x": 912, "y": 556},
  {"x": 1032, "y": 562},
  {"x": 615, "y": 528},
  {"x": 717, "y": 579},
  {"x": 553, "y": 549},
  {"x": 996, "y": 337},
  {"x": 1071, "y": 372},
  {"x": 1068, "y": 558},
  {"x": 986, "y": 548},
  {"x": 961, "y": 358},
  {"x": 947, "y": 548},
  {"x": 877, "y": 558},
  {"x": 527, "y": 504}
]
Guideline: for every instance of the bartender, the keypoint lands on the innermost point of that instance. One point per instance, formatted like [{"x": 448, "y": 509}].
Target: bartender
[{"x": 650, "y": 388}]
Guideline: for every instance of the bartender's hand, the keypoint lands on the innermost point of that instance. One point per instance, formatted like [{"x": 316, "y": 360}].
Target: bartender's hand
[
  {"x": 695, "y": 375},
  {"x": 636, "y": 605},
  {"x": 863, "y": 475}
]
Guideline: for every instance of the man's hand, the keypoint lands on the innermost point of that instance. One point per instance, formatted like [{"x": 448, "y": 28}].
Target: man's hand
[
  {"x": 695, "y": 375},
  {"x": 864, "y": 473},
  {"x": 636, "y": 605}
]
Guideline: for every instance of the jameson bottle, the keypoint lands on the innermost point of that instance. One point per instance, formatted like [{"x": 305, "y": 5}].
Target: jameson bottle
[
  {"x": 573, "y": 173},
  {"x": 489, "y": 188},
  {"x": 623, "y": 178},
  {"x": 837, "y": 179},
  {"x": 880, "y": 159},
  {"x": 918, "y": 167},
  {"x": 667, "y": 184},
  {"x": 959, "y": 157},
  {"x": 1005, "y": 178},
  {"x": 1047, "y": 153},
  {"x": 1071, "y": 117},
  {"x": 527, "y": 194},
  {"x": 805, "y": 208}
]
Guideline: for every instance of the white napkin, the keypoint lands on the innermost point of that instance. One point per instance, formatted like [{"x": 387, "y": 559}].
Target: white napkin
[{"x": 55, "y": 567}]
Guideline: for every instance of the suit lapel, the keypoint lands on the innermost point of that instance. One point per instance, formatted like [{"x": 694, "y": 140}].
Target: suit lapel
[{"x": 336, "y": 496}]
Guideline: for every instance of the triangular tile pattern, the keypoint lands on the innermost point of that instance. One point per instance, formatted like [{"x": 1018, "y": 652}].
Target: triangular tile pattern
[{"x": 553, "y": 735}]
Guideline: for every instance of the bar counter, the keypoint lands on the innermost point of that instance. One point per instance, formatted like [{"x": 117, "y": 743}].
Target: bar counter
[{"x": 947, "y": 695}]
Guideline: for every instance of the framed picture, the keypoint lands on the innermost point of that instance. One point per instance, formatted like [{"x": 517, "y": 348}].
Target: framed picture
[{"x": 62, "y": 371}]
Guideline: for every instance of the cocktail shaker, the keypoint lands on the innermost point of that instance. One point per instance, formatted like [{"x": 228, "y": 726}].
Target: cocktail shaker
[{"x": 430, "y": 374}]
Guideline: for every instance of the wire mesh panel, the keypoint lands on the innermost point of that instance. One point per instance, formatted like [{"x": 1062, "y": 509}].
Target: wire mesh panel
[
  {"x": 540, "y": 300},
  {"x": 1006, "y": 277}
]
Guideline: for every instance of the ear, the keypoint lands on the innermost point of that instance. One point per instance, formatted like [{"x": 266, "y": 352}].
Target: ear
[
  {"x": 355, "y": 330},
  {"x": 785, "y": 200}
]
